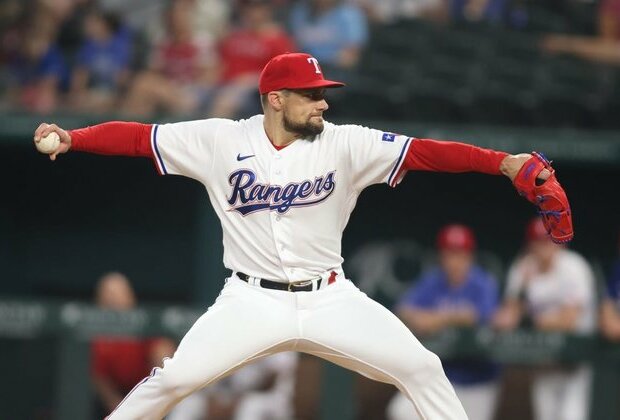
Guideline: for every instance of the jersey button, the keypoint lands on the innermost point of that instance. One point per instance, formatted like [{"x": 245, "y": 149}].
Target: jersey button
[
  {"x": 277, "y": 156},
  {"x": 278, "y": 218},
  {"x": 278, "y": 172}
]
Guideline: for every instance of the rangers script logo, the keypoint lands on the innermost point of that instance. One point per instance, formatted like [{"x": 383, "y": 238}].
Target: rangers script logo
[{"x": 249, "y": 196}]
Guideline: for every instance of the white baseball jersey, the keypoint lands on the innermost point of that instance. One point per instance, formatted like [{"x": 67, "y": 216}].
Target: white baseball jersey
[
  {"x": 569, "y": 281},
  {"x": 282, "y": 211}
]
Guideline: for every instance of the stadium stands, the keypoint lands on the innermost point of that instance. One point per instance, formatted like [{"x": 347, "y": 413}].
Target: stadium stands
[{"x": 419, "y": 71}]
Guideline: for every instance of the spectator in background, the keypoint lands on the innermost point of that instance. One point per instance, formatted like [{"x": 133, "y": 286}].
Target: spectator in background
[
  {"x": 388, "y": 11},
  {"x": 496, "y": 12},
  {"x": 182, "y": 72},
  {"x": 119, "y": 363},
  {"x": 604, "y": 48},
  {"x": 243, "y": 54},
  {"x": 333, "y": 31},
  {"x": 102, "y": 65},
  {"x": 36, "y": 67},
  {"x": 610, "y": 307},
  {"x": 211, "y": 17},
  {"x": 260, "y": 391},
  {"x": 457, "y": 293},
  {"x": 555, "y": 288}
]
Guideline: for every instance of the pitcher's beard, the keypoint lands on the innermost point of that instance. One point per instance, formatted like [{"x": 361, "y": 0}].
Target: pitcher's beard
[{"x": 307, "y": 129}]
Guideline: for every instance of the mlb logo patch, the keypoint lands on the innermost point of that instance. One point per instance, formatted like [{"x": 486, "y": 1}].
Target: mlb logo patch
[{"x": 388, "y": 137}]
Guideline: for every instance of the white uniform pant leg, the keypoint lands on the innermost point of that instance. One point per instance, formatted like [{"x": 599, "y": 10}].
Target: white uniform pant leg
[
  {"x": 401, "y": 408},
  {"x": 193, "y": 407},
  {"x": 244, "y": 323},
  {"x": 479, "y": 402},
  {"x": 263, "y": 406},
  {"x": 562, "y": 395},
  {"x": 342, "y": 325}
]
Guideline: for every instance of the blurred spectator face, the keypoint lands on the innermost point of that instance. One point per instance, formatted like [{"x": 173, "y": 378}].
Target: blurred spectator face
[
  {"x": 324, "y": 4},
  {"x": 115, "y": 292},
  {"x": 456, "y": 264},
  {"x": 539, "y": 243},
  {"x": 255, "y": 13},
  {"x": 180, "y": 20},
  {"x": 60, "y": 9},
  {"x": 36, "y": 45},
  {"x": 96, "y": 27},
  {"x": 543, "y": 250},
  {"x": 456, "y": 244}
]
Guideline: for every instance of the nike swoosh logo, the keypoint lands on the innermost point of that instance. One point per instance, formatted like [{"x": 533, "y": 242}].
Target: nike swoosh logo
[{"x": 240, "y": 158}]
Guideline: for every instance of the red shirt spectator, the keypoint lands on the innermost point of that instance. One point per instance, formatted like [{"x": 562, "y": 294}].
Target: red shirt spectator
[
  {"x": 247, "y": 51},
  {"x": 123, "y": 361},
  {"x": 609, "y": 19},
  {"x": 183, "y": 61}
]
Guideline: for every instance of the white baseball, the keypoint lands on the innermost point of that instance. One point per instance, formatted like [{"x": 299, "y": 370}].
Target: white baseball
[{"x": 48, "y": 144}]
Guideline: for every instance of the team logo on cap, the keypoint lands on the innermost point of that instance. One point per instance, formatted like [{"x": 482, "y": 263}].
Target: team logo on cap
[{"x": 249, "y": 196}]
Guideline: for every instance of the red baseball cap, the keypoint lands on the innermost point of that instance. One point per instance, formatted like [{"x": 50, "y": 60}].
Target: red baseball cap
[
  {"x": 536, "y": 230},
  {"x": 456, "y": 236},
  {"x": 293, "y": 71}
]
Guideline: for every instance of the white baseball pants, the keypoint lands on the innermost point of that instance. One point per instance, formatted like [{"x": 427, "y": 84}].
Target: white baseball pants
[
  {"x": 338, "y": 323},
  {"x": 478, "y": 400}
]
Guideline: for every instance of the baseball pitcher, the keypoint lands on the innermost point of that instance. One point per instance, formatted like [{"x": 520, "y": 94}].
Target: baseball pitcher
[{"x": 283, "y": 185}]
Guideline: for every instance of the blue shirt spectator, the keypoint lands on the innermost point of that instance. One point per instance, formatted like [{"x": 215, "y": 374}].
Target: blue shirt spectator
[
  {"x": 478, "y": 291},
  {"x": 457, "y": 293},
  {"x": 102, "y": 63},
  {"x": 331, "y": 31},
  {"x": 613, "y": 284},
  {"x": 106, "y": 60},
  {"x": 492, "y": 11},
  {"x": 50, "y": 64},
  {"x": 609, "y": 317},
  {"x": 36, "y": 73}
]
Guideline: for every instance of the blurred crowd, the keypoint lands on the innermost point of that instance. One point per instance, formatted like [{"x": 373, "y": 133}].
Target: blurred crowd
[
  {"x": 143, "y": 58},
  {"x": 167, "y": 56},
  {"x": 548, "y": 288}
]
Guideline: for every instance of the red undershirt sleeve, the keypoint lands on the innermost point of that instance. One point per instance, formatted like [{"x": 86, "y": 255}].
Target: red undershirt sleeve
[
  {"x": 449, "y": 156},
  {"x": 114, "y": 138}
]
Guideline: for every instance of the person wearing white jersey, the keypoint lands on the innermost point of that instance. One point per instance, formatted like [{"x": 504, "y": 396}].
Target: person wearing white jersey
[
  {"x": 283, "y": 185},
  {"x": 555, "y": 288}
]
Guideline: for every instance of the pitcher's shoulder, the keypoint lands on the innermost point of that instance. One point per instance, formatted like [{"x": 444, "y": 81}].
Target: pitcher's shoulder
[{"x": 342, "y": 130}]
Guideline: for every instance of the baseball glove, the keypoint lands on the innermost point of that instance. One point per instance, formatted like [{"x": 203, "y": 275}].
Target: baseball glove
[{"x": 548, "y": 196}]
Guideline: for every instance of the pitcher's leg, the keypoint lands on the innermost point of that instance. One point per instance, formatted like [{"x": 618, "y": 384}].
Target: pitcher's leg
[
  {"x": 244, "y": 323},
  {"x": 348, "y": 328},
  {"x": 400, "y": 408},
  {"x": 479, "y": 400}
]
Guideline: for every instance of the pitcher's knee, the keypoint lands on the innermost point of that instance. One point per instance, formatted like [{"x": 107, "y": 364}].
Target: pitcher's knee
[
  {"x": 175, "y": 383},
  {"x": 426, "y": 368}
]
